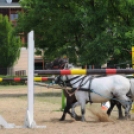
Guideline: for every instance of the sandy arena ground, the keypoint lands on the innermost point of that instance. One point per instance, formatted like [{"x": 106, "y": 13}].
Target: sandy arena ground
[{"x": 13, "y": 108}]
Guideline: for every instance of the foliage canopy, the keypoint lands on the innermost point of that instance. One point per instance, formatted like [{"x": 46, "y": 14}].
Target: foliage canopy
[
  {"x": 88, "y": 32},
  {"x": 9, "y": 43}
]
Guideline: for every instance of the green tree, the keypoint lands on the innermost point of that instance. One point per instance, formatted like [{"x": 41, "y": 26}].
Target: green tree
[
  {"x": 9, "y": 43},
  {"x": 88, "y": 32}
]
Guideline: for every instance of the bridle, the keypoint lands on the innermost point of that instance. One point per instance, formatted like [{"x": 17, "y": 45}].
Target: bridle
[{"x": 67, "y": 82}]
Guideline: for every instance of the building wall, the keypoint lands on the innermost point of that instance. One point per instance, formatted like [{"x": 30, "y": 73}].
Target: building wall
[{"x": 21, "y": 66}]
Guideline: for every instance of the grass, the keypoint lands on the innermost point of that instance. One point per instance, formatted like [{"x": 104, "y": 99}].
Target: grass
[
  {"x": 53, "y": 97},
  {"x": 41, "y": 94},
  {"x": 9, "y": 87}
]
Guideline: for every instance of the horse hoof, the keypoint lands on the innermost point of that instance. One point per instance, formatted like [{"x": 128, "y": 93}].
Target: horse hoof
[
  {"x": 78, "y": 118},
  {"x": 73, "y": 116},
  {"x": 61, "y": 119},
  {"x": 128, "y": 117},
  {"x": 83, "y": 119},
  {"x": 121, "y": 118}
]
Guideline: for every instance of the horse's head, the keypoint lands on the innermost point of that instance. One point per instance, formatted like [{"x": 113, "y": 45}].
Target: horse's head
[
  {"x": 68, "y": 66},
  {"x": 64, "y": 80},
  {"x": 59, "y": 63},
  {"x": 59, "y": 80}
]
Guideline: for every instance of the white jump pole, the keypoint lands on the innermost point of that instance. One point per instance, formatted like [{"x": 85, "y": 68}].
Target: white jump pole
[{"x": 29, "y": 121}]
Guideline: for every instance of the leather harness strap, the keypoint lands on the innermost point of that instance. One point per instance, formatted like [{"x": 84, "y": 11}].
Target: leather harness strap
[
  {"x": 80, "y": 85},
  {"x": 70, "y": 94},
  {"x": 89, "y": 91}
]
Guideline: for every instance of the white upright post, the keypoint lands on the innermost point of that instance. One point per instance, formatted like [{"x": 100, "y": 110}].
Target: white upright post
[{"x": 29, "y": 121}]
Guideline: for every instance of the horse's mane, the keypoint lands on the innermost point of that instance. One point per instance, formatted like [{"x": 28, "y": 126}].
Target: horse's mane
[{"x": 70, "y": 66}]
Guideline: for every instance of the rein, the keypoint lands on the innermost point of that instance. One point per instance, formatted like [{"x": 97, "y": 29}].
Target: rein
[{"x": 68, "y": 80}]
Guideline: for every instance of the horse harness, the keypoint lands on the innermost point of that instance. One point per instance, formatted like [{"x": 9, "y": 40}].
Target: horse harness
[{"x": 67, "y": 83}]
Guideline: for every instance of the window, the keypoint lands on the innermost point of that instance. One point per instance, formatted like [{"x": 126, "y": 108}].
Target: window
[
  {"x": 13, "y": 16},
  {"x": 15, "y": 0}
]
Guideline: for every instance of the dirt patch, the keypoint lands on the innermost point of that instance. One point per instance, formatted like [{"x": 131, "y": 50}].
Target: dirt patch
[{"x": 13, "y": 105}]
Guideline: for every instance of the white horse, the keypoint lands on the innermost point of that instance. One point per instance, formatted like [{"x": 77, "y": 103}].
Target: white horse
[{"x": 98, "y": 90}]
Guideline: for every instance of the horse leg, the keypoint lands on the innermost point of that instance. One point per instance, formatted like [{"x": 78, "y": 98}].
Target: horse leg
[
  {"x": 127, "y": 109},
  {"x": 82, "y": 110},
  {"x": 83, "y": 104},
  {"x": 74, "y": 115},
  {"x": 112, "y": 104},
  {"x": 66, "y": 110},
  {"x": 126, "y": 103},
  {"x": 69, "y": 102},
  {"x": 118, "y": 105}
]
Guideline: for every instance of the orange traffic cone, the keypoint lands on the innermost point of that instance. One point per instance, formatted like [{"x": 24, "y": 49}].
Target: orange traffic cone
[{"x": 105, "y": 106}]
